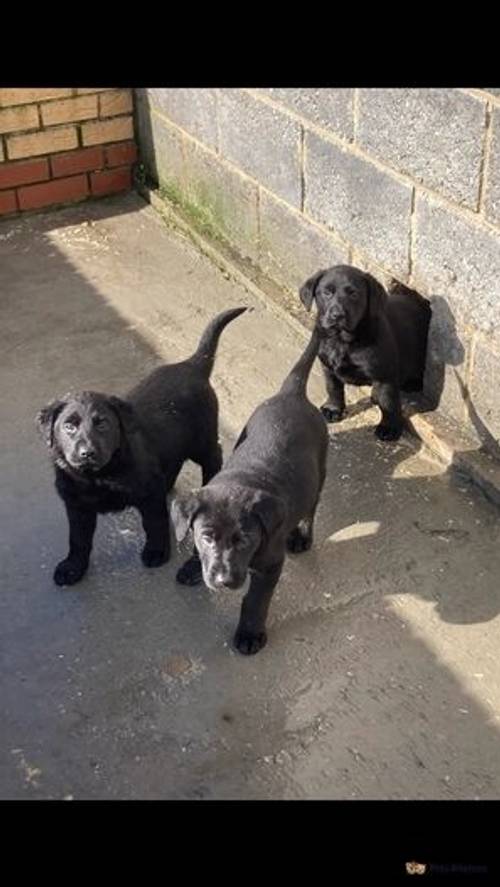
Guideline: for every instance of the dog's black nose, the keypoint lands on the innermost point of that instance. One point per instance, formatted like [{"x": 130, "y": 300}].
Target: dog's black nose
[{"x": 85, "y": 451}]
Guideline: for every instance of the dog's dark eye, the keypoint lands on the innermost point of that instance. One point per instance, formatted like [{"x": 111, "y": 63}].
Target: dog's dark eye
[
  {"x": 208, "y": 537},
  {"x": 100, "y": 423},
  {"x": 69, "y": 426}
]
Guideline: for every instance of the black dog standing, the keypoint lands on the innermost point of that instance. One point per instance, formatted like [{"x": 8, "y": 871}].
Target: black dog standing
[
  {"x": 368, "y": 337},
  {"x": 111, "y": 453},
  {"x": 262, "y": 502}
]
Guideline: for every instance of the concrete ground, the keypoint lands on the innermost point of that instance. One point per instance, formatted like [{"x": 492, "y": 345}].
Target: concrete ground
[{"x": 381, "y": 678}]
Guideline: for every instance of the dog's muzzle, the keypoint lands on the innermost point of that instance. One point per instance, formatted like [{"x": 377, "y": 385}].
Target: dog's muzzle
[{"x": 224, "y": 582}]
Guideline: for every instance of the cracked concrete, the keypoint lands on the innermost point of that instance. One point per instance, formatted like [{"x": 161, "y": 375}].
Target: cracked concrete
[{"x": 381, "y": 678}]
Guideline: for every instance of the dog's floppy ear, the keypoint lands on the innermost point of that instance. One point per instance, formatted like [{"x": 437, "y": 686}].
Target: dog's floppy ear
[
  {"x": 183, "y": 511},
  {"x": 377, "y": 299},
  {"x": 125, "y": 413},
  {"x": 269, "y": 511},
  {"x": 308, "y": 289},
  {"x": 46, "y": 418}
]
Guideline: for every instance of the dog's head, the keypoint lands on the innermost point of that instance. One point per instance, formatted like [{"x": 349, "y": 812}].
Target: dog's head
[
  {"x": 229, "y": 527},
  {"x": 84, "y": 431},
  {"x": 345, "y": 298}
]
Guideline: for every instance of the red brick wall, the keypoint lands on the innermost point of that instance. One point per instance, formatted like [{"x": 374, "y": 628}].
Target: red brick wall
[{"x": 62, "y": 145}]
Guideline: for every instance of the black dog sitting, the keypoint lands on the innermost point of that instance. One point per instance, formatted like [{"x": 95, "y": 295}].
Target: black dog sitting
[
  {"x": 262, "y": 502},
  {"x": 111, "y": 453},
  {"x": 368, "y": 337}
]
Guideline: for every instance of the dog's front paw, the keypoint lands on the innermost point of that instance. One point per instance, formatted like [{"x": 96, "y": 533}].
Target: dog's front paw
[
  {"x": 388, "y": 432},
  {"x": 153, "y": 557},
  {"x": 299, "y": 541},
  {"x": 248, "y": 642},
  {"x": 69, "y": 572},
  {"x": 332, "y": 414},
  {"x": 190, "y": 573}
]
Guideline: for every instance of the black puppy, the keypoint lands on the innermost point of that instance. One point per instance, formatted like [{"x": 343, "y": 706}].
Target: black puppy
[
  {"x": 368, "y": 337},
  {"x": 111, "y": 453},
  {"x": 262, "y": 502}
]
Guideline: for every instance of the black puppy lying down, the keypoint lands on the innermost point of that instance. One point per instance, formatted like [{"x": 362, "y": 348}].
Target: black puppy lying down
[
  {"x": 368, "y": 337},
  {"x": 111, "y": 453},
  {"x": 262, "y": 501}
]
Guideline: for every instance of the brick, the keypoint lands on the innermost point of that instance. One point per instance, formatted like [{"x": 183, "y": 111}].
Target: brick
[
  {"x": 262, "y": 141},
  {"x": 365, "y": 205},
  {"x": 7, "y": 202},
  {"x": 359, "y": 260},
  {"x": 16, "y": 119},
  {"x": 110, "y": 181},
  {"x": 434, "y": 135},
  {"x": 227, "y": 201},
  {"x": 72, "y": 162},
  {"x": 292, "y": 248},
  {"x": 457, "y": 258},
  {"x": 331, "y": 109},
  {"x": 25, "y": 96},
  {"x": 90, "y": 89},
  {"x": 484, "y": 414},
  {"x": 194, "y": 110},
  {"x": 67, "y": 110},
  {"x": 58, "y": 139},
  {"x": 116, "y": 130},
  {"x": 113, "y": 103},
  {"x": 492, "y": 199},
  {"x": 23, "y": 173},
  {"x": 448, "y": 348},
  {"x": 60, "y": 191},
  {"x": 160, "y": 146},
  {"x": 120, "y": 155}
]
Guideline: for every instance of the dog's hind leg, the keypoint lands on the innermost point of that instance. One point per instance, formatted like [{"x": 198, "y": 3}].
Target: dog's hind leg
[
  {"x": 155, "y": 521},
  {"x": 301, "y": 538},
  {"x": 211, "y": 463}
]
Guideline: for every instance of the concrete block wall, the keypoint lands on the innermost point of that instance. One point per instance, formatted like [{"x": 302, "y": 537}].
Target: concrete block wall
[
  {"x": 402, "y": 182},
  {"x": 62, "y": 145}
]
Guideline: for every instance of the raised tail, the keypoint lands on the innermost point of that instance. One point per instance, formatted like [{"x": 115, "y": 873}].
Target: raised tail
[
  {"x": 204, "y": 355},
  {"x": 296, "y": 381}
]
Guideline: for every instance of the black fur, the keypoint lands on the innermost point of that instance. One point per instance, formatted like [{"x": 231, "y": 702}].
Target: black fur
[
  {"x": 262, "y": 502},
  {"x": 110, "y": 453},
  {"x": 368, "y": 337}
]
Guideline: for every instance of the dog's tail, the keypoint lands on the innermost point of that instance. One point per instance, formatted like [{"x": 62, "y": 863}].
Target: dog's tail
[
  {"x": 296, "y": 381},
  {"x": 204, "y": 355}
]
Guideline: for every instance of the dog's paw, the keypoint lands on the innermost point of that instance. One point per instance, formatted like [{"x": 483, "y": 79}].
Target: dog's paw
[
  {"x": 69, "y": 572},
  {"x": 299, "y": 541},
  {"x": 248, "y": 643},
  {"x": 190, "y": 573},
  {"x": 332, "y": 414},
  {"x": 388, "y": 432},
  {"x": 152, "y": 557}
]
